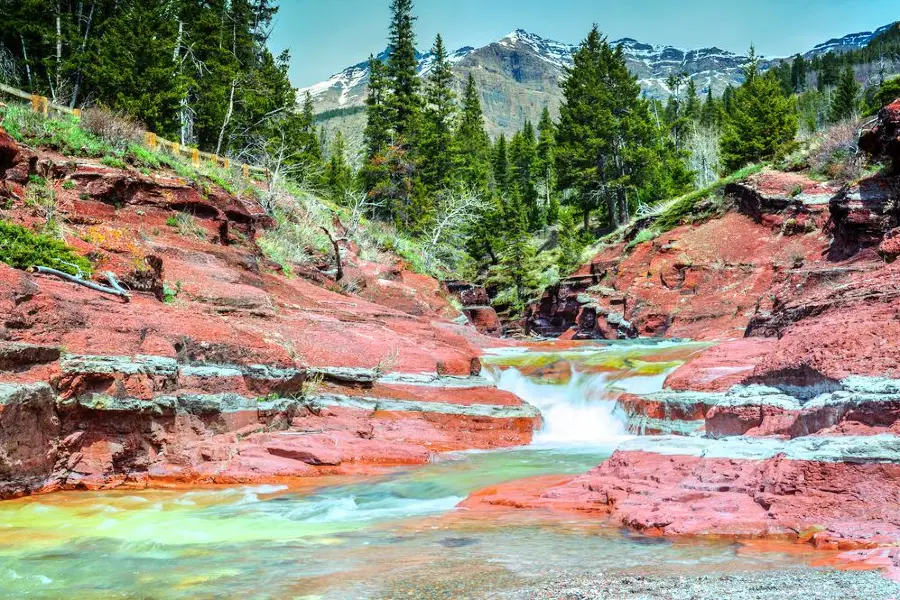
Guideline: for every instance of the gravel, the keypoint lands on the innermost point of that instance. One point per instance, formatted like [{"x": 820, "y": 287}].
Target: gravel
[{"x": 767, "y": 585}]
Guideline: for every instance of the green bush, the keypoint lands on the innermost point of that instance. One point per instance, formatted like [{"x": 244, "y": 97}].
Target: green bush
[
  {"x": 21, "y": 248},
  {"x": 114, "y": 162}
]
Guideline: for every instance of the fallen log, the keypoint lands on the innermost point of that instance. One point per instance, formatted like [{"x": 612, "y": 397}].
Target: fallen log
[{"x": 114, "y": 290}]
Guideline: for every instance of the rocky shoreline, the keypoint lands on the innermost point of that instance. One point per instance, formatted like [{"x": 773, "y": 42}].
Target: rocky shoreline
[{"x": 790, "y": 427}]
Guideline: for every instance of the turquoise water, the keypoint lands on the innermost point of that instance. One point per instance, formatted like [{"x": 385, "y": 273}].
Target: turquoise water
[{"x": 390, "y": 536}]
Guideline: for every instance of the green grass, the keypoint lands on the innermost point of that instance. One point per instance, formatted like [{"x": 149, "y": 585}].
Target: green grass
[
  {"x": 59, "y": 133},
  {"x": 683, "y": 210},
  {"x": 21, "y": 248}
]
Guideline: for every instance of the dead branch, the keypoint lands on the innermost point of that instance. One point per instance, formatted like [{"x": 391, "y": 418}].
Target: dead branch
[
  {"x": 337, "y": 255},
  {"x": 115, "y": 290}
]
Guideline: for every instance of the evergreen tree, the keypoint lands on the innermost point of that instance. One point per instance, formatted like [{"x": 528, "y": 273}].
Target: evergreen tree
[
  {"x": 473, "y": 147},
  {"x": 762, "y": 120},
  {"x": 516, "y": 273},
  {"x": 133, "y": 69},
  {"x": 710, "y": 113},
  {"x": 845, "y": 100},
  {"x": 570, "y": 246},
  {"x": 799, "y": 68},
  {"x": 692, "y": 102},
  {"x": 828, "y": 71},
  {"x": 676, "y": 115},
  {"x": 609, "y": 151},
  {"x": 338, "y": 174},
  {"x": 523, "y": 158},
  {"x": 500, "y": 165},
  {"x": 404, "y": 101},
  {"x": 545, "y": 167},
  {"x": 436, "y": 143},
  {"x": 377, "y": 133}
]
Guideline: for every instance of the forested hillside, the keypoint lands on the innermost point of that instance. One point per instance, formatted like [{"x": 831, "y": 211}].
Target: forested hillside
[
  {"x": 195, "y": 71},
  {"x": 514, "y": 213}
]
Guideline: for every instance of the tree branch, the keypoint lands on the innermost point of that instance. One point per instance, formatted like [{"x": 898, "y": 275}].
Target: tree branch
[
  {"x": 115, "y": 290},
  {"x": 337, "y": 255}
]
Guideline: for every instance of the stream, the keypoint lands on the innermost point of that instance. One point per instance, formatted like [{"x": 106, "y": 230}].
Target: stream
[{"x": 396, "y": 535}]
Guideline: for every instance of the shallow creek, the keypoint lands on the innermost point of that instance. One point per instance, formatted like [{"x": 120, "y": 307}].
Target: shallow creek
[{"x": 395, "y": 535}]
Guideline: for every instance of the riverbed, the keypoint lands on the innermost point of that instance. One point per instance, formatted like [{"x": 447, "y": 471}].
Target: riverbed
[{"x": 400, "y": 534}]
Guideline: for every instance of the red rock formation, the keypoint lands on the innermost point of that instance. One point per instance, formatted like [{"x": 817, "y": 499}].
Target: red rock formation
[
  {"x": 222, "y": 385},
  {"x": 802, "y": 277}
]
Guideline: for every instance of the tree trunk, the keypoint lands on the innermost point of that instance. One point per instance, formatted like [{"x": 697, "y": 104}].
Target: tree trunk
[
  {"x": 87, "y": 32},
  {"x": 58, "y": 48},
  {"x": 337, "y": 255},
  {"x": 27, "y": 64},
  {"x": 587, "y": 219},
  {"x": 227, "y": 117}
]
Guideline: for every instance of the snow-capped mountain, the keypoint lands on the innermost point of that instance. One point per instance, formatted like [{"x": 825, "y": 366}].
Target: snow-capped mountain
[
  {"x": 519, "y": 74},
  {"x": 652, "y": 64},
  {"x": 854, "y": 41}
]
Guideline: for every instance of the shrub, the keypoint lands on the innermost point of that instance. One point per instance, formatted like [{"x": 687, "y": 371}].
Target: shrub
[
  {"x": 644, "y": 235},
  {"x": 116, "y": 129},
  {"x": 42, "y": 197},
  {"x": 837, "y": 154},
  {"x": 114, "y": 162},
  {"x": 21, "y": 248}
]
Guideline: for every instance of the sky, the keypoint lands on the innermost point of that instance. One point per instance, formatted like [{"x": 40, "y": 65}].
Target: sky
[{"x": 326, "y": 36}]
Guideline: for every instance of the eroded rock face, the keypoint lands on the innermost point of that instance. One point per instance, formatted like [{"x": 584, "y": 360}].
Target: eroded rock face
[
  {"x": 883, "y": 140},
  {"x": 245, "y": 375}
]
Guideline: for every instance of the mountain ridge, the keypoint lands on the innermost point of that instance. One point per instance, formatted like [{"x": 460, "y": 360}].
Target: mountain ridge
[{"x": 519, "y": 74}]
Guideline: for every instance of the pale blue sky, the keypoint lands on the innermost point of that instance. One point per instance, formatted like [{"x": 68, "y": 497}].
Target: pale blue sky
[{"x": 325, "y": 36}]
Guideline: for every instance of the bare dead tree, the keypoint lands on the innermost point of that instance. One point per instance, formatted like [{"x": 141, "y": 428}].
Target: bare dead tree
[
  {"x": 361, "y": 205},
  {"x": 455, "y": 210},
  {"x": 703, "y": 145},
  {"x": 337, "y": 254}
]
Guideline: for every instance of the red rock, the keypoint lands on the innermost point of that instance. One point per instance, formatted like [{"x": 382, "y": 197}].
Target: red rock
[
  {"x": 889, "y": 249},
  {"x": 687, "y": 495},
  {"x": 721, "y": 367},
  {"x": 9, "y": 150},
  {"x": 485, "y": 320}
]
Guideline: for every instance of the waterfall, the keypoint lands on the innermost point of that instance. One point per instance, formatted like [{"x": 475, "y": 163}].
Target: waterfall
[{"x": 582, "y": 411}]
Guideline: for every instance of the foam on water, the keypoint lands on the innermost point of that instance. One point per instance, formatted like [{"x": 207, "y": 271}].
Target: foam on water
[{"x": 576, "y": 413}]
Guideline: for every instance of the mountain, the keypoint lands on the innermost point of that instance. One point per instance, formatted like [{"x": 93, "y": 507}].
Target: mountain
[
  {"x": 519, "y": 75},
  {"x": 854, "y": 41}
]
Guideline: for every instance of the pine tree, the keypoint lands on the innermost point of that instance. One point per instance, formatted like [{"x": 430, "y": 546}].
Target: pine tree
[
  {"x": 523, "y": 158},
  {"x": 829, "y": 71},
  {"x": 500, "y": 166},
  {"x": 845, "y": 100},
  {"x": 473, "y": 147},
  {"x": 377, "y": 135},
  {"x": 338, "y": 174},
  {"x": 692, "y": 102},
  {"x": 609, "y": 151},
  {"x": 545, "y": 167},
  {"x": 710, "y": 113},
  {"x": 570, "y": 246},
  {"x": 799, "y": 68},
  {"x": 436, "y": 144},
  {"x": 762, "y": 120},
  {"x": 133, "y": 70},
  {"x": 404, "y": 100},
  {"x": 515, "y": 275}
]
